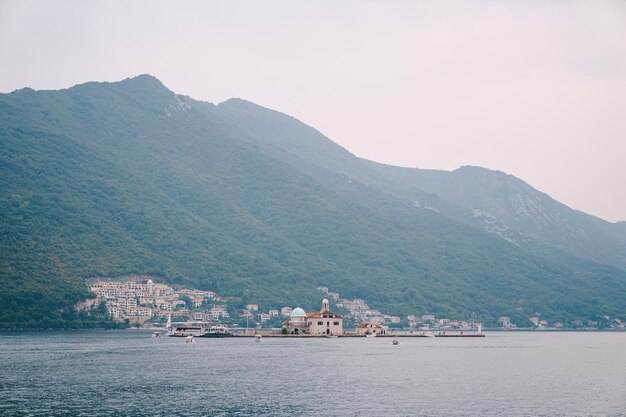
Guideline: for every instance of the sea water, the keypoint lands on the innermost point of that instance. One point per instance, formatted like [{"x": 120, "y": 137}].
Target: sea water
[{"x": 116, "y": 373}]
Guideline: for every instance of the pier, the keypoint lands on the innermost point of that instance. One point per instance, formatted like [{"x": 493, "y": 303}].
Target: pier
[{"x": 390, "y": 335}]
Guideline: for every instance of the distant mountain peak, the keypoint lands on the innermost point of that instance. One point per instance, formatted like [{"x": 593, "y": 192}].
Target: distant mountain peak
[
  {"x": 475, "y": 169},
  {"x": 142, "y": 82},
  {"x": 242, "y": 104},
  {"x": 144, "y": 79},
  {"x": 145, "y": 83}
]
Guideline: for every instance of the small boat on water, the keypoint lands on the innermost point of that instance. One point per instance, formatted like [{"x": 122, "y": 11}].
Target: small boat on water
[
  {"x": 156, "y": 335},
  {"x": 190, "y": 340},
  {"x": 429, "y": 334},
  {"x": 370, "y": 335},
  {"x": 395, "y": 342},
  {"x": 257, "y": 338}
]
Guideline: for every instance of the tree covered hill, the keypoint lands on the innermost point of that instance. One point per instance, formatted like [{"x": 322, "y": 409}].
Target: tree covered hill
[{"x": 130, "y": 178}]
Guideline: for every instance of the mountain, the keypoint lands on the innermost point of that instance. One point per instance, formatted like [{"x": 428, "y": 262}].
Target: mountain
[
  {"x": 496, "y": 202},
  {"x": 508, "y": 207},
  {"x": 131, "y": 178}
]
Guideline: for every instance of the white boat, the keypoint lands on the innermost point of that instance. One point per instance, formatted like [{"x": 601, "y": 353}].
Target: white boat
[
  {"x": 197, "y": 329},
  {"x": 371, "y": 335},
  {"x": 429, "y": 334},
  {"x": 257, "y": 338},
  {"x": 156, "y": 335},
  {"x": 189, "y": 340},
  {"x": 395, "y": 342}
]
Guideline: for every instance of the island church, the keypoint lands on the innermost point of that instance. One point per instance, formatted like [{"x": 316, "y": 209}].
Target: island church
[{"x": 322, "y": 323}]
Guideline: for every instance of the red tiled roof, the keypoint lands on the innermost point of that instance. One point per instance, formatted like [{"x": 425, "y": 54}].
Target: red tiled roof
[
  {"x": 368, "y": 324},
  {"x": 320, "y": 313}
]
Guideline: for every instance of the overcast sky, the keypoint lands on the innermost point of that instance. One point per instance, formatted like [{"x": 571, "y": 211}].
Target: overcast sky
[{"x": 536, "y": 89}]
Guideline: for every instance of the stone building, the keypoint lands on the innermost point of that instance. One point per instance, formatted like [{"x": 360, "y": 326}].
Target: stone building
[
  {"x": 325, "y": 322},
  {"x": 322, "y": 323},
  {"x": 365, "y": 329},
  {"x": 297, "y": 322}
]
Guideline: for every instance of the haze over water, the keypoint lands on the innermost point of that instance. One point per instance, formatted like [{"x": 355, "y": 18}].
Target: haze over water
[{"x": 128, "y": 373}]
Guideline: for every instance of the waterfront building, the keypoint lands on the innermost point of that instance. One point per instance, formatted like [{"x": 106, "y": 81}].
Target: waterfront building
[
  {"x": 297, "y": 322},
  {"x": 323, "y": 322},
  {"x": 368, "y": 328},
  {"x": 505, "y": 322}
]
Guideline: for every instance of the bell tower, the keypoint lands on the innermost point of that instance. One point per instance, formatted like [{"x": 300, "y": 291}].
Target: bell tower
[{"x": 325, "y": 304}]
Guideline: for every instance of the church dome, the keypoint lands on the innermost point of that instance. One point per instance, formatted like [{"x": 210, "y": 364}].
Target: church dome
[{"x": 298, "y": 312}]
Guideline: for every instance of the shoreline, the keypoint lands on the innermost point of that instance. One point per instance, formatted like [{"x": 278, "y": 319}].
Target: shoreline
[{"x": 454, "y": 333}]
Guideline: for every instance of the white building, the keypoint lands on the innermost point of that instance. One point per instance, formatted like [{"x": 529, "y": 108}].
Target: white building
[
  {"x": 325, "y": 322},
  {"x": 322, "y": 323},
  {"x": 368, "y": 328},
  {"x": 199, "y": 316}
]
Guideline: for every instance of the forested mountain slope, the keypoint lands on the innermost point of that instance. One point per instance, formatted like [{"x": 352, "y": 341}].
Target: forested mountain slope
[{"x": 128, "y": 177}]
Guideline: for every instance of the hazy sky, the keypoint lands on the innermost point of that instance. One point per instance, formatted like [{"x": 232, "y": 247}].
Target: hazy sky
[{"x": 535, "y": 88}]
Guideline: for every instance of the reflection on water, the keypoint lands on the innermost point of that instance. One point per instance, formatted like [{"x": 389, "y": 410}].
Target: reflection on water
[{"x": 116, "y": 373}]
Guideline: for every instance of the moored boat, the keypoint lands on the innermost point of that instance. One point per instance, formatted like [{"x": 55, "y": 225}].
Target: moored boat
[{"x": 197, "y": 329}]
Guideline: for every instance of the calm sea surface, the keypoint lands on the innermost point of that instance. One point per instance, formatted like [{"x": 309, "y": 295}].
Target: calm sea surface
[{"x": 114, "y": 373}]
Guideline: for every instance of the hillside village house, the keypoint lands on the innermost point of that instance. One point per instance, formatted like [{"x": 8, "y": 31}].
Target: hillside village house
[
  {"x": 139, "y": 299},
  {"x": 322, "y": 323}
]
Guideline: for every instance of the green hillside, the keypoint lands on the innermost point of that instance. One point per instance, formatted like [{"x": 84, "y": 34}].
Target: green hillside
[{"x": 130, "y": 178}]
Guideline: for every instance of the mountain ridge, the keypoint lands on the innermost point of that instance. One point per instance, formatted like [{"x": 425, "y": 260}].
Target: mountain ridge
[{"x": 129, "y": 177}]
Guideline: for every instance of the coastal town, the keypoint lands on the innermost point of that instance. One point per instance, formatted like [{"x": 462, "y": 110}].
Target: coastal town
[{"x": 140, "y": 301}]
